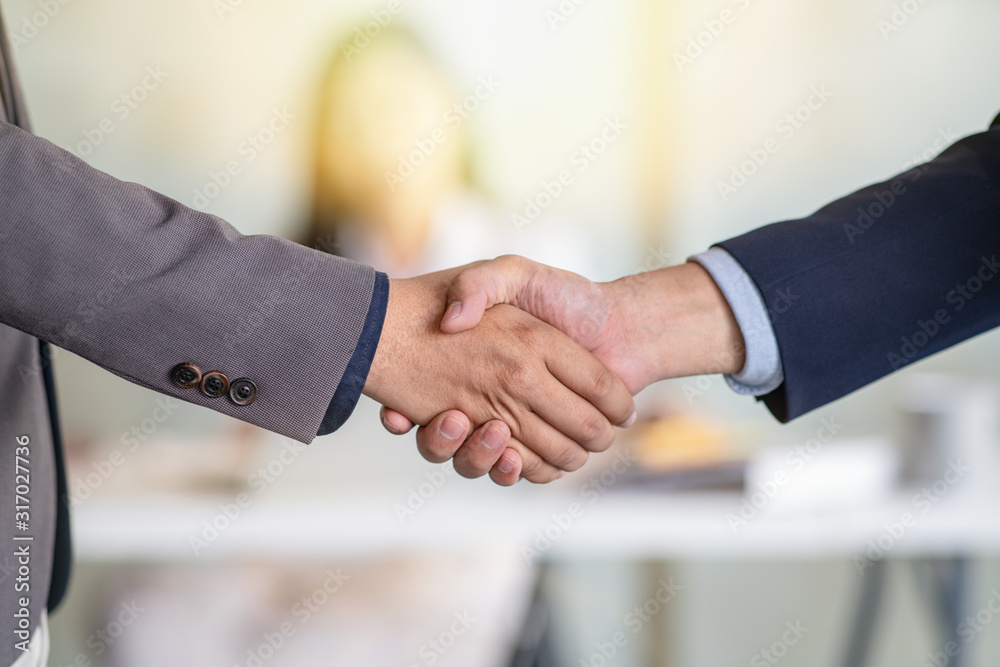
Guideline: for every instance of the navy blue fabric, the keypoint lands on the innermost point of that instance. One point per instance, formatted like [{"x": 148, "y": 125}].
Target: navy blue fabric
[
  {"x": 884, "y": 277},
  {"x": 345, "y": 399}
]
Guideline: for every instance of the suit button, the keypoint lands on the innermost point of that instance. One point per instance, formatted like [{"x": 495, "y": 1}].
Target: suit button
[
  {"x": 243, "y": 392},
  {"x": 214, "y": 384},
  {"x": 186, "y": 376}
]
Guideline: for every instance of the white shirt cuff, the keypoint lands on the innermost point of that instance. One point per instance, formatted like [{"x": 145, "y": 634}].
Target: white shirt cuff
[{"x": 762, "y": 373}]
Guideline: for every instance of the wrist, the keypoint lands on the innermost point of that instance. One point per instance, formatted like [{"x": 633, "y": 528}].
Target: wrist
[
  {"x": 678, "y": 322},
  {"x": 382, "y": 361}
]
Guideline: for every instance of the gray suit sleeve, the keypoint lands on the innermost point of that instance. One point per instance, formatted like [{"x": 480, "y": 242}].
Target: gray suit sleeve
[{"x": 138, "y": 284}]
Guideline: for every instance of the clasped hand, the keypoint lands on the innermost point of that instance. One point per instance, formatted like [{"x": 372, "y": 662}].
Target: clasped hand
[
  {"x": 558, "y": 396},
  {"x": 537, "y": 401}
]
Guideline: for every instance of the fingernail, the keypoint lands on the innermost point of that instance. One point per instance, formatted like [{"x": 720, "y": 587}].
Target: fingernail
[
  {"x": 389, "y": 427},
  {"x": 451, "y": 428},
  {"x": 505, "y": 465},
  {"x": 454, "y": 310},
  {"x": 493, "y": 438},
  {"x": 631, "y": 420}
]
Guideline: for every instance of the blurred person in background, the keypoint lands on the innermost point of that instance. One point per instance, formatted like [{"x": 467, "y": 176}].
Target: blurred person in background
[
  {"x": 393, "y": 168},
  {"x": 255, "y": 327}
]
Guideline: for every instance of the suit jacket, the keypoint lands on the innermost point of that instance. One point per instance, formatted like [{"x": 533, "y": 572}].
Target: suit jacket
[
  {"x": 883, "y": 277},
  {"x": 256, "y": 327}
]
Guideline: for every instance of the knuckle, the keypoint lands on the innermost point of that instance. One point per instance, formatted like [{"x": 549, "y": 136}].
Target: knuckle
[
  {"x": 434, "y": 450},
  {"x": 516, "y": 374},
  {"x": 529, "y": 336},
  {"x": 570, "y": 459},
  {"x": 603, "y": 442},
  {"x": 468, "y": 469},
  {"x": 532, "y": 468},
  {"x": 592, "y": 430},
  {"x": 544, "y": 475},
  {"x": 603, "y": 384},
  {"x": 509, "y": 260}
]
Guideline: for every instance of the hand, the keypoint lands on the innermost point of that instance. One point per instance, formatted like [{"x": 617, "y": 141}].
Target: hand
[
  {"x": 651, "y": 326},
  {"x": 557, "y": 400}
]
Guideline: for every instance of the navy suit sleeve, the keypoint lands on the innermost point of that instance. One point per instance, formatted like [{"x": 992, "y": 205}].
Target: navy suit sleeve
[{"x": 888, "y": 275}]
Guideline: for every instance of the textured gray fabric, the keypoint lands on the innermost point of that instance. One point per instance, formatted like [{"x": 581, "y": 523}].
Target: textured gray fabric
[
  {"x": 139, "y": 283},
  {"x": 23, "y": 412}
]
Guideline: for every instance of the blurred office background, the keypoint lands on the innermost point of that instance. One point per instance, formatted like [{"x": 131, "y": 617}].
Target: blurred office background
[{"x": 204, "y": 542}]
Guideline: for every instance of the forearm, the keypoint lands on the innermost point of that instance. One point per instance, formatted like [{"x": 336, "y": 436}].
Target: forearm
[
  {"x": 874, "y": 281},
  {"x": 138, "y": 284},
  {"x": 678, "y": 322}
]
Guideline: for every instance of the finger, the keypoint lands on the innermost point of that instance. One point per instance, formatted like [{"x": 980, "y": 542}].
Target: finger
[
  {"x": 533, "y": 467},
  {"x": 394, "y": 422},
  {"x": 550, "y": 445},
  {"x": 507, "y": 470},
  {"x": 569, "y": 414},
  {"x": 482, "y": 450},
  {"x": 593, "y": 381},
  {"x": 440, "y": 439},
  {"x": 477, "y": 289}
]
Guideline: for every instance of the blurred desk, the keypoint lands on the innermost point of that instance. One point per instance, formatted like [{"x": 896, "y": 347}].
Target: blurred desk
[{"x": 618, "y": 525}]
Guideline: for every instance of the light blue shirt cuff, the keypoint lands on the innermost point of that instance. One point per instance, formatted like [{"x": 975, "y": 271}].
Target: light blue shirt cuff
[{"x": 762, "y": 373}]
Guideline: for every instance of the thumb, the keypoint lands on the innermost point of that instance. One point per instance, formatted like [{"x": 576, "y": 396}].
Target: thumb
[{"x": 477, "y": 289}]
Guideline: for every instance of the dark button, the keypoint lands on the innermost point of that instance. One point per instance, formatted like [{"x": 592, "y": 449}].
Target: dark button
[
  {"x": 214, "y": 384},
  {"x": 186, "y": 375},
  {"x": 243, "y": 392}
]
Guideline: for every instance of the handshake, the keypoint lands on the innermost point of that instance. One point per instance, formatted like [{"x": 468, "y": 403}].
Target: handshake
[{"x": 518, "y": 369}]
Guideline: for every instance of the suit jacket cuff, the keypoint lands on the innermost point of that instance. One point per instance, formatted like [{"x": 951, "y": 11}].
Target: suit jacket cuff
[{"x": 345, "y": 399}]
